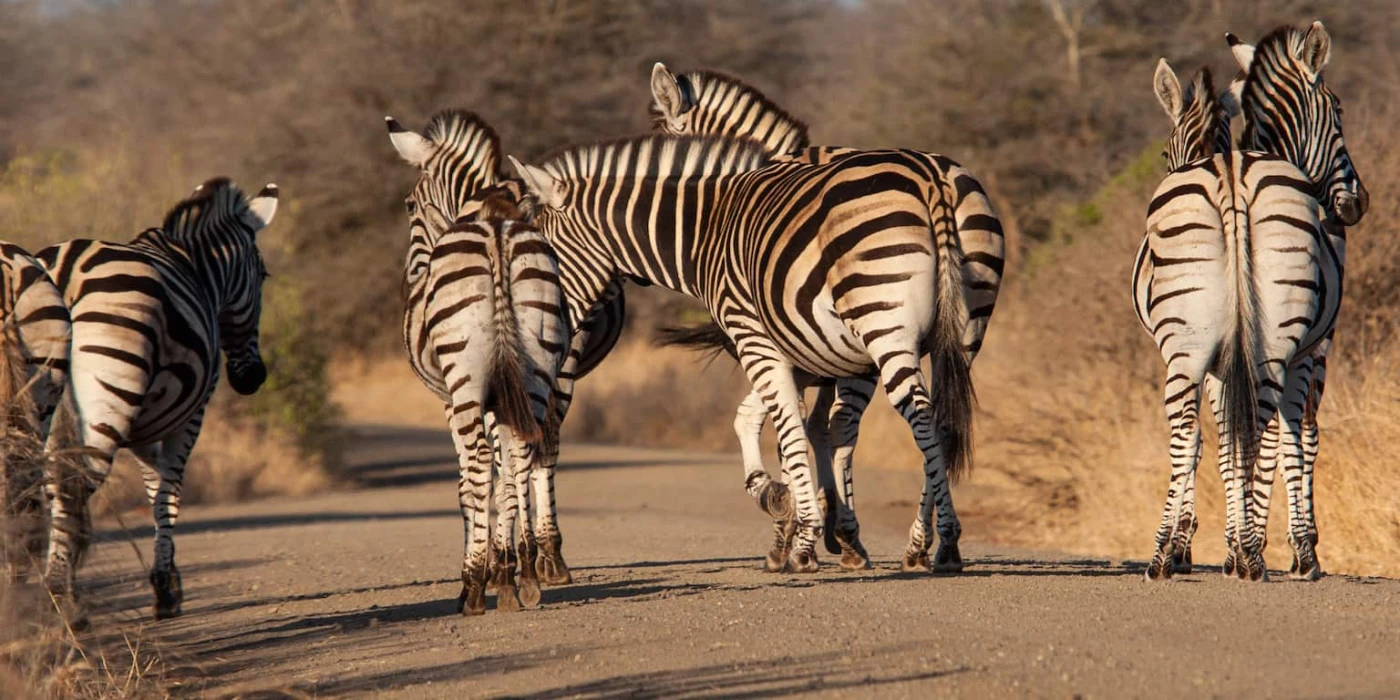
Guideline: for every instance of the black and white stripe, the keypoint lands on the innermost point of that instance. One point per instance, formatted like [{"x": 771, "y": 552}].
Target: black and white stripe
[
  {"x": 825, "y": 270},
  {"x": 34, "y": 347},
  {"x": 1234, "y": 285},
  {"x": 710, "y": 103},
  {"x": 458, "y": 157},
  {"x": 1290, "y": 112},
  {"x": 149, "y": 319}
]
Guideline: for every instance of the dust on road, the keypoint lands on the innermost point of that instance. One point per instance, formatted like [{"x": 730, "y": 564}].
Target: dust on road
[{"x": 352, "y": 594}]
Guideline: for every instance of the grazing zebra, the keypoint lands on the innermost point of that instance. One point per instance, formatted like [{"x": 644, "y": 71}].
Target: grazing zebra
[
  {"x": 149, "y": 320},
  {"x": 458, "y": 156},
  {"x": 1290, "y": 112},
  {"x": 829, "y": 270},
  {"x": 486, "y": 331},
  {"x": 709, "y": 103},
  {"x": 1233, "y": 284},
  {"x": 34, "y": 345}
]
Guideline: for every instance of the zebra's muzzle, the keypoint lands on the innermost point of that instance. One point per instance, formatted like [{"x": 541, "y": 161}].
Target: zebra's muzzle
[
  {"x": 1351, "y": 207},
  {"x": 246, "y": 378}
]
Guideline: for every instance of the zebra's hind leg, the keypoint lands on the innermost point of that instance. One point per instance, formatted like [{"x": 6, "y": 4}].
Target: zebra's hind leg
[
  {"x": 1241, "y": 540},
  {"x": 474, "y": 458},
  {"x": 526, "y": 547},
  {"x": 163, "y": 470},
  {"x": 907, "y": 390},
  {"x": 852, "y": 397},
  {"x": 819, "y": 435},
  {"x": 509, "y": 461},
  {"x": 1182, "y": 403},
  {"x": 1304, "y": 392},
  {"x": 77, "y": 462},
  {"x": 547, "y": 544}
]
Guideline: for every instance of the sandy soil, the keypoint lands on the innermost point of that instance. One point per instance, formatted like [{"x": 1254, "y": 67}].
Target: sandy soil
[{"x": 351, "y": 594}]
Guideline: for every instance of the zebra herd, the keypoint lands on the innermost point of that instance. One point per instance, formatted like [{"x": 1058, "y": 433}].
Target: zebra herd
[{"x": 833, "y": 268}]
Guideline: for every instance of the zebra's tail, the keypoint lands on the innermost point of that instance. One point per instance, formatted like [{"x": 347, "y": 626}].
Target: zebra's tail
[
  {"x": 514, "y": 408},
  {"x": 1238, "y": 362},
  {"x": 951, "y": 377},
  {"x": 707, "y": 338}
]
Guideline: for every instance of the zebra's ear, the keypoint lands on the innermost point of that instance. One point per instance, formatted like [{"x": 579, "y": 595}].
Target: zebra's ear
[
  {"x": 666, "y": 93},
  {"x": 1317, "y": 50},
  {"x": 1243, "y": 53},
  {"x": 1168, "y": 89},
  {"x": 263, "y": 207},
  {"x": 411, "y": 146},
  {"x": 549, "y": 191}
]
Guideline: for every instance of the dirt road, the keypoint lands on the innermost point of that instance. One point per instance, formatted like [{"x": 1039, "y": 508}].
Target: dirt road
[{"x": 351, "y": 594}]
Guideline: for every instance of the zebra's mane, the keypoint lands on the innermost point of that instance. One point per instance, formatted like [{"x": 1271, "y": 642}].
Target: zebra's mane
[
  {"x": 1275, "y": 54},
  {"x": 465, "y": 134},
  {"x": 666, "y": 155},
  {"x": 1203, "y": 128},
  {"x": 709, "y": 82},
  {"x": 214, "y": 206}
]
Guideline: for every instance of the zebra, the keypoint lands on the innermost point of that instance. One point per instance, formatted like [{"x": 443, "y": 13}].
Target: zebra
[
  {"x": 149, "y": 319},
  {"x": 830, "y": 270},
  {"x": 34, "y": 353},
  {"x": 711, "y": 103},
  {"x": 1290, "y": 112},
  {"x": 486, "y": 332},
  {"x": 1234, "y": 285},
  {"x": 458, "y": 156}
]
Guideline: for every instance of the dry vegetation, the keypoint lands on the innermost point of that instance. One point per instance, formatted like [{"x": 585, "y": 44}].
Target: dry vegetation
[{"x": 111, "y": 111}]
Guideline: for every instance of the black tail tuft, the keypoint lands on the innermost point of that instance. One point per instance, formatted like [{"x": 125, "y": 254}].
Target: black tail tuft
[{"x": 708, "y": 338}]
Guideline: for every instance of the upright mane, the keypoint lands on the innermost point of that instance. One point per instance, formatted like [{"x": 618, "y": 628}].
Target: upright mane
[
  {"x": 1203, "y": 128},
  {"x": 464, "y": 133},
  {"x": 213, "y": 206},
  {"x": 664, "y": 156},
  {"x": 718, "y": 93}
]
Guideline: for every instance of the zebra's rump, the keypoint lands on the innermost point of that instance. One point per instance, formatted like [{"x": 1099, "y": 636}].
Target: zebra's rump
[{"x": 141, "y": 329}]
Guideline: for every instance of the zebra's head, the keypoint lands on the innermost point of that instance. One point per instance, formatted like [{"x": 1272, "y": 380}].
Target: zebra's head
[
  {"x": 1201, "y": 126},
  {"x": 705, "y": 103},
  {"x": 1290, "y": 112},
  {"x": 457, "y": 156},
  {"x": 219, "y": 225}
]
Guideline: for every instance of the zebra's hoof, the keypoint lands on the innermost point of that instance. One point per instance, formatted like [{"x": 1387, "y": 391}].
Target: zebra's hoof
[
  {"x": 1182, "y": 564},
  {"x": 776, "y": 500},
  {"x": 552, "y": 570},
  {"x": 472, "y": 600},
  {"x": 948, "y": 560},
  {"x": 915, "y": 562},
  {"x": 853, "y": 556},
  {"x": 775, "y": 562},
  {"x": 1228, "y": 569},
  {"x": 1311, "y": 573},
  {"x": 803, "y": 562},
  {"x": 1160, "y": 568},
  {"x": 529, "y": 592},
  {"x": 169, "y": 594},
  {"x": 852, "y": 560},
  {"x": 506, "y": 600}
]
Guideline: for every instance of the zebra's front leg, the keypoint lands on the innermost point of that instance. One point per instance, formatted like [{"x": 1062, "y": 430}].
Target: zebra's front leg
[
  {"x": 819, "y": 435},
  {"x": 474, "y": 458},
  {"x": 852, "y": 397},
  {"x": 773, "y": 497},
  {"x": 1182, "y": 404},
  {"x": 774, "y": 384}
]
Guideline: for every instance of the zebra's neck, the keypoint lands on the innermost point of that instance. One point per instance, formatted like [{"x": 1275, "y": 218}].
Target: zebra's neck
[{"x": 213, "y": 266}]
